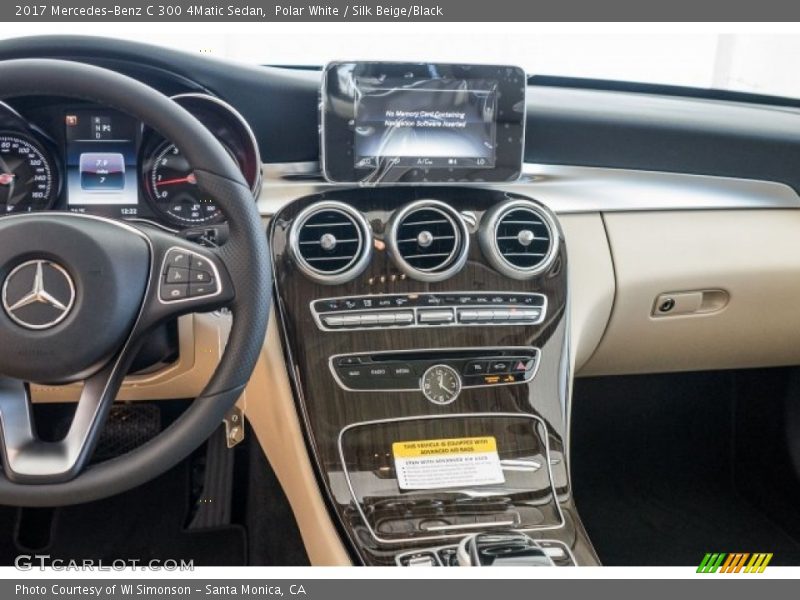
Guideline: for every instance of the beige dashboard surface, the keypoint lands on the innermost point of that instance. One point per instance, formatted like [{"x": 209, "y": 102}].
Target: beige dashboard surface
[
  {"x": 591, "y": 283},
  {"x": 271, "y": 411},
  {"x": 752, "y": 257}
]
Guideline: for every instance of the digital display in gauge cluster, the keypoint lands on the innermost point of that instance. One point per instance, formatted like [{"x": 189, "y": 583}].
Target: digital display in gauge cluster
[
  {"x": 95, "y": 160},
  {"x": 101, "y": 158}
]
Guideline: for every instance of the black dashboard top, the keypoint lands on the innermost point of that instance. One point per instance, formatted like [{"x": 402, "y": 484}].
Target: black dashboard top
[{"x": 565, "y": 125}]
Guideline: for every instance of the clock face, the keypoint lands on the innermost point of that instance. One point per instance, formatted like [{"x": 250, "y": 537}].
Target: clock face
[{"x": 441, "y": 384}]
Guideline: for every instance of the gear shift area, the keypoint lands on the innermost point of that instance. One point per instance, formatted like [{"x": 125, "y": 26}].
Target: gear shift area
[{"x": 492, "y": 549}]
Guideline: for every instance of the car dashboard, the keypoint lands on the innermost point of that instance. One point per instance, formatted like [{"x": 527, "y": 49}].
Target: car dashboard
[{"x": 422, "y": 319}]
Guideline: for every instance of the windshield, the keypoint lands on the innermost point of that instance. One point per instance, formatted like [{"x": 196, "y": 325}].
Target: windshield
[{"x": 744, "y": 62}]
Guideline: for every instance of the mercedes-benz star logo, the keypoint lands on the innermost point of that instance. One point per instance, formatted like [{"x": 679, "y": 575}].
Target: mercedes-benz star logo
[{"x": 38, "y": 294}]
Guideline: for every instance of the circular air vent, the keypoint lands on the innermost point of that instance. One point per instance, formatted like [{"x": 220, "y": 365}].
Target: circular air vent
[
  {"x": 519, "y": 238},
  {"x": 330, "y": 242},
  {"x": 428, "y": 240}
]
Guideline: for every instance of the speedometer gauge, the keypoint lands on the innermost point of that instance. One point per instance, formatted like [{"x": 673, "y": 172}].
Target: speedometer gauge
[
  {"x": 27, "y": 175},
  {"x": 173, "y": 187}
]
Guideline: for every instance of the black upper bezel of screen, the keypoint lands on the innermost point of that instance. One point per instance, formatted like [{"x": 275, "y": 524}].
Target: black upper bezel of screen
[{"x": 338, "y": 106}]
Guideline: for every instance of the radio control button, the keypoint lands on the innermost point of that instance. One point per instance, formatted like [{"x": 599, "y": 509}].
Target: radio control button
[
  {"x": 377, "y": 372},
  {"x": 353, "y": 373},
  {"x": 401, "y": 370}
]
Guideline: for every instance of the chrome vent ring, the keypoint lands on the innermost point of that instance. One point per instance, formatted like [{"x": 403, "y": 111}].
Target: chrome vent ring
[
  {"x": 428, "y": 240},
  {"x": 519, "y": 238},
  {"x": 330, "y": 242}
]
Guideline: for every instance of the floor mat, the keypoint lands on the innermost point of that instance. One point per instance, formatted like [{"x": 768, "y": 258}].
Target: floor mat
[
  {"x": 652, "y": 465},
  {"x": 146, "y": 523}
]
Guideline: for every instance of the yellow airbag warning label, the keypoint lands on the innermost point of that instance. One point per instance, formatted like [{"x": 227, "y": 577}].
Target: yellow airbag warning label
[{"x": 448, "y": 463}]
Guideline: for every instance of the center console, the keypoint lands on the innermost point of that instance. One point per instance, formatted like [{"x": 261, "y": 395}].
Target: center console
[{"x": 425, "y": 329}]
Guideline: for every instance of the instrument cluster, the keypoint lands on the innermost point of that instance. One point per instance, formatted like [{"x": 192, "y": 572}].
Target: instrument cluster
[{"x": 65, "y": 155}]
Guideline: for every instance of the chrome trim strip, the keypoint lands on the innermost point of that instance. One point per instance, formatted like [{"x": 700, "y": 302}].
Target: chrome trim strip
[
  {"x": 572, "y": 189},
  {"x": 469, "y": 526},
  {"x": 360, "y": 510},
  {"x": 536, "y": 352}
]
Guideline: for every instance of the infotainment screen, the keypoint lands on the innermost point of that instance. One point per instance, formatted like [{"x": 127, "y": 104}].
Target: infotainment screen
[{"x": 422, "y": 122}]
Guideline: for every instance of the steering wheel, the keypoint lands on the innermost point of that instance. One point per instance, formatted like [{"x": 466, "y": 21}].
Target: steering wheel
[{"x": 80, "y": 293}]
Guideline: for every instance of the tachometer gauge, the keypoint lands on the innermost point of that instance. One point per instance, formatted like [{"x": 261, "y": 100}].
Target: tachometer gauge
[
  {"x": 27, "y": 175},
  {"x": 173, "y": 187}
]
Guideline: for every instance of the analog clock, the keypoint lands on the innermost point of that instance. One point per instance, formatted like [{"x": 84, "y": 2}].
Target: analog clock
[{"x": 441, "y": 384}]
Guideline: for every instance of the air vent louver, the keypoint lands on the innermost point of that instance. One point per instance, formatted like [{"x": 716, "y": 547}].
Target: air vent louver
[
  {"x": 519, "y": 239},
  {"x": 428, "y": 240},
  {"x": 330, "y": 242}
]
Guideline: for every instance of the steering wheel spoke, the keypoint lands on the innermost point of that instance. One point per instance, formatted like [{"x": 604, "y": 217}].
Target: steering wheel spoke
[{"x": 27, "y": 458}]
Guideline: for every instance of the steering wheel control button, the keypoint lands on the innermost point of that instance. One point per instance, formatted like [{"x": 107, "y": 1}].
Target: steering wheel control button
[
  {"x": 201, "y": 276},
  {"x": 174, "y": 291},
  {"x": 177, "y": 275},
  {"x": 197, "y": 290},
  {"x": 187, "y": 275},
  {"x": 200, "y": 264},
  {"x": 38, "y": 294},
  {"x": 179, "y": 259}
]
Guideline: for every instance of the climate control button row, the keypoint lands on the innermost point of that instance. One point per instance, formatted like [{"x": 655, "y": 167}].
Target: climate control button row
[{"x": 429, "y": 310}]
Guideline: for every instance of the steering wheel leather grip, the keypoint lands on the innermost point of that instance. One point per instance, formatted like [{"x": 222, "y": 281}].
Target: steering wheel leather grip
[{"x": 244, "y": 281}]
